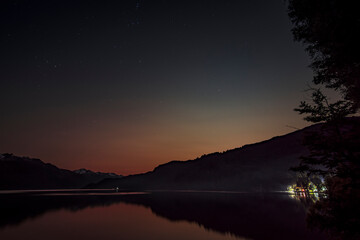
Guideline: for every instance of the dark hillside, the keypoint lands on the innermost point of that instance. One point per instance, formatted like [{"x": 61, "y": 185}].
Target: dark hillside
[{"x": 255, "y": 167}]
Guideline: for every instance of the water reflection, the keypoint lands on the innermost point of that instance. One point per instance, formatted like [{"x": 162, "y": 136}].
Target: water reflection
[
  {"x": 222, "y": 215},
  {"x": 307, "y": 199}
]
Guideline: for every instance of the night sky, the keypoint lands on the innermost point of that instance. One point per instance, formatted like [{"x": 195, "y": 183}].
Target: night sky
[{"x": 123, "y": 86}]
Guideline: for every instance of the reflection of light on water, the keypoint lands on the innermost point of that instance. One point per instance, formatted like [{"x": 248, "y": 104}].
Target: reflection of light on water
[
  {"x": 304, "y": 196},
  {"x": 309, "y": 192}
]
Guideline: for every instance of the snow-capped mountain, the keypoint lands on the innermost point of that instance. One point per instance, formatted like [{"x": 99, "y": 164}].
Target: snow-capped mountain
[
  {"x": 31, "y": 173},
  {"x": 84, "y": 171}
]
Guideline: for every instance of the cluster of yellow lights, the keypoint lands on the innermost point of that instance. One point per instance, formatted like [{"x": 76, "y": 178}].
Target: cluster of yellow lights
[{"x": 311, "y": 188}]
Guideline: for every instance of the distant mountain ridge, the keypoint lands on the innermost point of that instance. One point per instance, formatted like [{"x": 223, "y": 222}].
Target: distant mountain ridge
[
  {"x": 257, "y": 167},
  {"x": 31, "y": 173},
  {"x": 84, "y": 171},
  {"x": 262, "y": 166}
]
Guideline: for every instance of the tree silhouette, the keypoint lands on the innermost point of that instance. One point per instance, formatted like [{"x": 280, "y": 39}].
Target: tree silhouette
[
  {"x": 330, "y": 30},
  {"x": 334, "y": 153},
  {"x": 333, "y": 148}
]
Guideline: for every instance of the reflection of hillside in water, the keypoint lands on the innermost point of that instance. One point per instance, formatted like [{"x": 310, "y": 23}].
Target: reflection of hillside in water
[
  {"x": 255, "y": 216},
  {"x": 17, "y": 208},
  {"x": 270, "y": 216}
]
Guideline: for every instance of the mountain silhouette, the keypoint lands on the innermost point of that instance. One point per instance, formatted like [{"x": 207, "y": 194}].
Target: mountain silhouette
[
  {"x": 257, "y": 167},
  {"x": 262, "y": 166},
  {"x": 31, "y": 173}
]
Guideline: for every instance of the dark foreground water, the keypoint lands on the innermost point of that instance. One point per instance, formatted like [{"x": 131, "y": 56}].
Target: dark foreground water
[{"x": 160, "y": 215}]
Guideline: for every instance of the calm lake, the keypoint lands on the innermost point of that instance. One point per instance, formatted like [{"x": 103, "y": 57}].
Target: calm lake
[{"x": 154, "y": 215}]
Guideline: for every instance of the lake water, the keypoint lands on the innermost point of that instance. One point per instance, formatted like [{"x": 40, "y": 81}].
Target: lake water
[{"x": 158, "y": 215}]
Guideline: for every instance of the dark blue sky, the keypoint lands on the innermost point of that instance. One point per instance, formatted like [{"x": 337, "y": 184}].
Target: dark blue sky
[{"x": 126, "y": 85}]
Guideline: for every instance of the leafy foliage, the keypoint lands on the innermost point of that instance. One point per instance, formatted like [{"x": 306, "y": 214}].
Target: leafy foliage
[
  {"x": 329, "y": 146},
  {"x": 334, "y": 153},
  {"x": 330, "y": 30},
  {"x": 322, "y": 110},
  {"x": 338, "y": 214}
]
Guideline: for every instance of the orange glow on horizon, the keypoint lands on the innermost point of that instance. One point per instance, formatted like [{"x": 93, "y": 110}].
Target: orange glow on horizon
[{"x": 141, "y": 151}]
